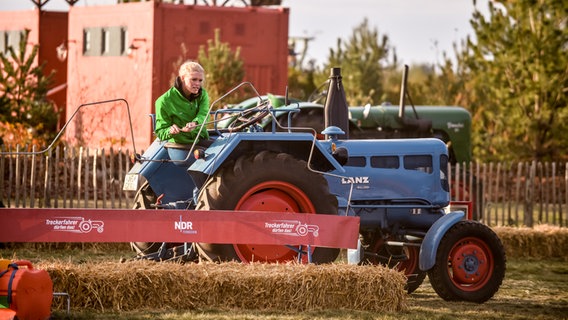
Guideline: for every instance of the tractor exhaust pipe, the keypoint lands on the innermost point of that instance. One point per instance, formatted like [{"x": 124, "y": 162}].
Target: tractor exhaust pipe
[
  {"x": 401, "y": 103},
  {"x": 422, "y": 127},
  {"x": 336, "y": 109}
]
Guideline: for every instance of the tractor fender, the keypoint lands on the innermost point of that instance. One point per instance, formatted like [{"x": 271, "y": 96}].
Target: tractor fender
[
  {"x": 232, "y": 146},
  {"x": 163, "y": 176},
  {"x": 431, "y": 241},
  {"x": 150, "y": 160}
]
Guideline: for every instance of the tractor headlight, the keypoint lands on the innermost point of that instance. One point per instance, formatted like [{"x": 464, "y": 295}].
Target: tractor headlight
[{"x": 341, "y": 155}]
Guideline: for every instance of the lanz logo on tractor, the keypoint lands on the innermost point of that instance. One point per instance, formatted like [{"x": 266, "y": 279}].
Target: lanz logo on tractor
[{"x": 350, "y": 180}]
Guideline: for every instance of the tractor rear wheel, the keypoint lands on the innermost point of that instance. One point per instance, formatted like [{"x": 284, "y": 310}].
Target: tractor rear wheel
[
  {"x": 390, "y": 256},
  {"x": 267, "y": 181},
  {"x": 410, "y": 268},
  {"x": 470, "y": 263},
  {"x": 306, "y": 118}
]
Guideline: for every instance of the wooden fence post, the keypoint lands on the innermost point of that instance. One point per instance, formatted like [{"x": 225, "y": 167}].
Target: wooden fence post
[
  {"x": 553, "y": 192},
  {"x": 87, "y": 167},
  {"x": 479, "y": 193},
  {"x": 518, "y": 190},
  {"x": 95, "y": 185},
  {"x": 565, "y": 193},
  {"x": 540, "y": 177},
  {"x": 46, "y": 183},
  {"x": 529, "y": 196},
  {"x": 112, "y": 158},
  {"x": 3, "y": 194},
  {"x": 18, "y": 177},
  {"x": 10, "y": 179},
  {"x": 79, "y": 176},
  {"x": 498, "y": 194},
  {"x": 32, "y": 178}
]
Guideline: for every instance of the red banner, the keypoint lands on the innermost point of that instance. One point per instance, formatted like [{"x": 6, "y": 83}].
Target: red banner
[{"x": 231, "y": 227}]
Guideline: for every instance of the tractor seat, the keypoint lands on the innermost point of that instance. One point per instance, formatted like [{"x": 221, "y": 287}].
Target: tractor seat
[{"x": 175, "y": 145}]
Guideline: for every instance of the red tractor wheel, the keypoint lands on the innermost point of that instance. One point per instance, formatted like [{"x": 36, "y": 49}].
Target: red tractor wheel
[
  {"x": 470, "y": 263},
  {"x": 411, "y": 270},
  {"x": 267, "y": 182},
  {"x": 385, "y": 255}
]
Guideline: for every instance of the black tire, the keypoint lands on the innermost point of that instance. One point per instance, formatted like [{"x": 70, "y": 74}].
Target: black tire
[
  {"x": 251, "y": 184},
  {"x": 470, "y": 263},
  {"x": 411, "y": 269},
  {"x": 143, "y": 200},
  {"x": 383, "y": 255},
  {"x": 306, "y": 118}
]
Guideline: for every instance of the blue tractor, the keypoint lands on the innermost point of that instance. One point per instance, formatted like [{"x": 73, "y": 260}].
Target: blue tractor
[{"x": 398, "y": 187}]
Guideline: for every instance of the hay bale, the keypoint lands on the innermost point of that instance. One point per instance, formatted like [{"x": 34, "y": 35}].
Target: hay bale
[
  {"x": 542, "y": 241},
  {"x": 291, "y": 287}
]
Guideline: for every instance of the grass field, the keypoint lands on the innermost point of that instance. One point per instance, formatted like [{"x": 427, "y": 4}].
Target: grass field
[{"x": 533, "y": 289}]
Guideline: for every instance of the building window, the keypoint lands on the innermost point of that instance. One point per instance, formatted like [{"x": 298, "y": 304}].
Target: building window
[
  {"x": 123, "y": 40},
  {"x": 86, "y": 42},
  {"x": 10, "y": 38},
  {"x": 3, "y": 42},
  {"x": 105, "y": 42}
]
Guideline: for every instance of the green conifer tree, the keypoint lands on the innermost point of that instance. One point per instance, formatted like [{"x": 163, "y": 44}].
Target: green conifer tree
[
  {"x": 23, "y": 96},
  {"x": 224, "y": 68}
]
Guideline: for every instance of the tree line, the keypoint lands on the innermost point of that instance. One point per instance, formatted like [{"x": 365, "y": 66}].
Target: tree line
[{"x": 512, "y": 75}]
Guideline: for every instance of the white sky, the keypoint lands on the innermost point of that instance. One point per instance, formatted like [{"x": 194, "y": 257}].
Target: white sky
[{"x": 419, "y": 30}]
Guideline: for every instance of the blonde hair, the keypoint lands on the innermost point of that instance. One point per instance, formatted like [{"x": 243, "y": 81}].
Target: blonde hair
[{"x": 190, "y": 66}]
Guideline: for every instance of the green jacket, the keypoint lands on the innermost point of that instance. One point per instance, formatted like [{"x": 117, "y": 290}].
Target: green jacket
[{"x": 174, "y": 108}]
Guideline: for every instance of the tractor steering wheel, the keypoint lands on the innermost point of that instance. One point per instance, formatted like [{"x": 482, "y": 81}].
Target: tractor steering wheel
[
  {"x": 249, "y": 117},
  {"x": 320, "y": 93}
]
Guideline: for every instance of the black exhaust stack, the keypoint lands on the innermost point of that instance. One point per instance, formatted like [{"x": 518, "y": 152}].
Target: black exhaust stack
[
  {"x": 336, "y": 109},
  {"x": 421, "y": 127}
]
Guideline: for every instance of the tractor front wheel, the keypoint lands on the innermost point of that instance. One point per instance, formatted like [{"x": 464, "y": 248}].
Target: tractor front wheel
[
  {"x": 470, "y": 263},
  {"x": 268, "y": 181},
  {"x": 143, "y": 200}
]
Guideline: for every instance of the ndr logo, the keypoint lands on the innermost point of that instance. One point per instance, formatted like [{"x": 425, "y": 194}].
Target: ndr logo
[{"x": 183, "y": 226}]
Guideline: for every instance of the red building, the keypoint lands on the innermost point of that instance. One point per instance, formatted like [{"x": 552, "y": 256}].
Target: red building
[
  {"x": 49, "y": 29},
  {"x": 128, "y": 51}
]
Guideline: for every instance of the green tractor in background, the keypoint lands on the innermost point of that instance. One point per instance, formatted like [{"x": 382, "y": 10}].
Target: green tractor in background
[{"x": 451, "y": 124}]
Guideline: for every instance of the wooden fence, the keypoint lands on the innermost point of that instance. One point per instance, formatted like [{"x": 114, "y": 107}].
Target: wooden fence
[
  {"x": 519, "y": 194},
  {"x": 516, "y": 194},
  {"x": 65, "y": 178}
]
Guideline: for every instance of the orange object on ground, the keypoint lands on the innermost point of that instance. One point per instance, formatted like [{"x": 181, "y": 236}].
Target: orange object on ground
[{"x": 25, "y": 292}]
